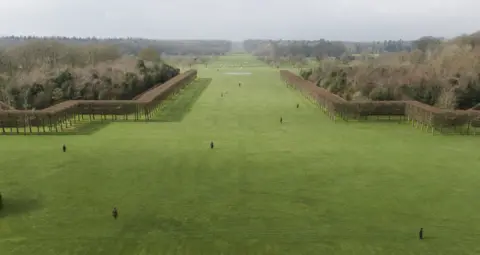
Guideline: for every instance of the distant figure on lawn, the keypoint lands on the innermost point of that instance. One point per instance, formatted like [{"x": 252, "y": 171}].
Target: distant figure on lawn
[
  {"x": 281, "y": 120},
  {"x": 211, "y": 145},
  {"x": 115, "y": 213},
  {"x": 420, "y": 234},
  {"x": 1, "y": 201},
  {"x": 64, "y": 148},
  {"x": 239, "y": 84},
  {"x": 298, "y": 105}
]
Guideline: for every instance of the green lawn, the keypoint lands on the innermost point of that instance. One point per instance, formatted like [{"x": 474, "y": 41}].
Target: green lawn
[{"x": 307, "y": 186}]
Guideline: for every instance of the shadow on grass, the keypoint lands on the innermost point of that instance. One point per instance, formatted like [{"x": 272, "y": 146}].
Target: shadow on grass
[
  {"x": 163, "y": 224},
  {"x": 18, "y": 206},
  {"x": 172, "y": 226},
  {"x": 378, "y": 119},
  {"x": 176, "y": 108},
  {"x": 457, "y": 130},
  {"x": 86, "y": 128}
]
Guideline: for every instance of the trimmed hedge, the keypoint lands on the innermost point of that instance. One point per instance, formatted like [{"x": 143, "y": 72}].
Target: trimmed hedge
[
  {"x": 416, "y": 111},
  {"x": 376, "y": 108},
  {"x": 64, "y": 111},
  {"x": 330, "y": 102}
]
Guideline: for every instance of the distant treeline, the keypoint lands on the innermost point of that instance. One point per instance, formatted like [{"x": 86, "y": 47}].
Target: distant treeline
[
  {"x": 135, "y": 45},
  {"x": 321, "y": 48}
]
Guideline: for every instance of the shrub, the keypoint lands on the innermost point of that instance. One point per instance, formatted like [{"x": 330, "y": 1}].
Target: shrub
[
  {"x": 380, "y": 94},
  {"x": 305, "y": 73}
]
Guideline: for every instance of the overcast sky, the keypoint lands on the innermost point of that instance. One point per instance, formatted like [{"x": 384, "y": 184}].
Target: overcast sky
[{"x": 363, "y": 20}]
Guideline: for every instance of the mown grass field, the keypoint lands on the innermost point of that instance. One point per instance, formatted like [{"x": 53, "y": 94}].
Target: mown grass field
[{"x": 307, "y": 186}]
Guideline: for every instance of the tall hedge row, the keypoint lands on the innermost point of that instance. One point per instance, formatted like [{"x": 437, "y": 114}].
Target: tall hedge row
[
  {"x": 413, "y": 110},
  {"x": 67, "y": 110}
]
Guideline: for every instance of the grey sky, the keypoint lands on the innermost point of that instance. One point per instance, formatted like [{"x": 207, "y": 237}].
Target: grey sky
[{"x": 241, "y": 19}]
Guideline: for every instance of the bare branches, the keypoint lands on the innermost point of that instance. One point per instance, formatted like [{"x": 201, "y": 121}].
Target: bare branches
[
  {"x": 38, "y": 74},
  {"x": 436, "y": 73}
]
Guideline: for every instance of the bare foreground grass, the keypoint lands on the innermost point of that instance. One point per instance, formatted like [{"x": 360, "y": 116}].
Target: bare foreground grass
[{"x": 309, "y": 186}]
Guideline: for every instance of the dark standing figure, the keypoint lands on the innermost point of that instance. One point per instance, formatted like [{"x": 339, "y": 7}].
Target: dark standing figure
[
  {"x": 1, "y": 201},
  {"x": 239, "y": 84},
  {"x": 420, "y": 234},
  {"x": 64, "y": 148},
  {"x": 115, "y": 213},
  {"x": 211, "y": 145},
  {"x": 281, "y": 120},
  {"x": 298, "y": 105}
]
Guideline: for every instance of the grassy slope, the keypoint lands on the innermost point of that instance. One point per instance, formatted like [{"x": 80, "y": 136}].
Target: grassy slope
[{"x": 309, "y": 186}]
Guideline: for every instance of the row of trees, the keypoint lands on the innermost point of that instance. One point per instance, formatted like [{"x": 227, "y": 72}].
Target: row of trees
[
  {"x": 377, "y": 47},
  {"x": 296, "y": 61},
  {"x": 437, "y": 72},
  {"x": 40, "y": 73},
  {"x": 189, "y": 61},
  {"x": 50, "y": 54},
  {"x": 135, "y": 45},
  {"x": 323, "y": 48},
  {"x": 281, "y": 48}
]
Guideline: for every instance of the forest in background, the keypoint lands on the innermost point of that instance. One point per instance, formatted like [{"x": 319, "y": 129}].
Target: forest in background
[
  {"x": 39, "y": 72},
  {"x": 322, "y": 48},
  {"x": 134, "y": 45},
  {"x": 300, "y": 52}
]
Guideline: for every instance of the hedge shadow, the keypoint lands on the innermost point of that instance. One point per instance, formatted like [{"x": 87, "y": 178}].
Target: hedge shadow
[
  {"x": 18, "y": 206},
  {"x": 176, "y": 108}
]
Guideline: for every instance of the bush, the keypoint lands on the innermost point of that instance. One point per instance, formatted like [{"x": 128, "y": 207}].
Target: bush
[
  {"x": 338, "y": 85},
  {"x": 468, "y": 96},
  {"x": 305, "y": 73},
  {"x": 380, "y": 94}
]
